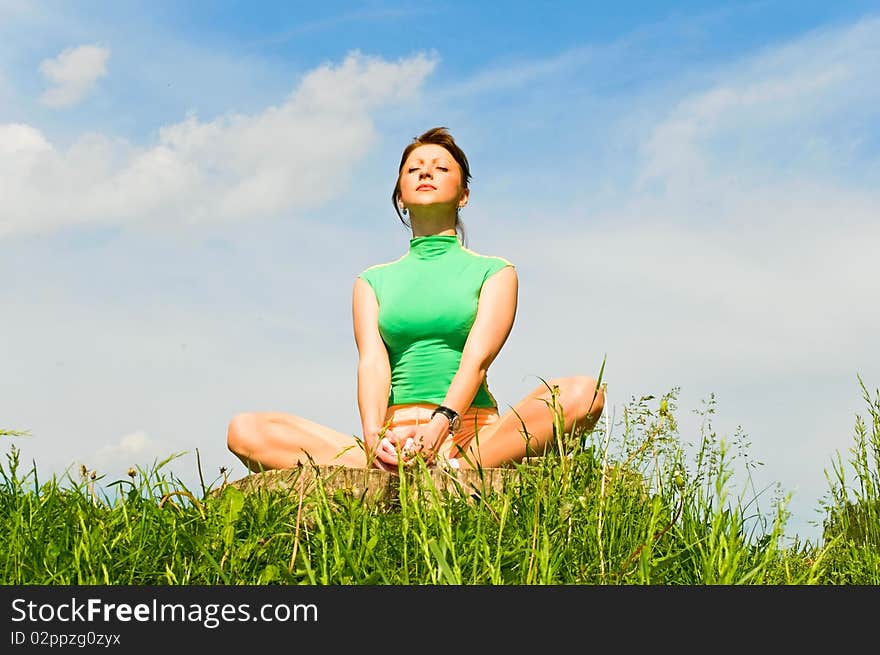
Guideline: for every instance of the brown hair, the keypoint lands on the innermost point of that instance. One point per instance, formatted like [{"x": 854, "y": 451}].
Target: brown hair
[{"x": 437, "y": 136}]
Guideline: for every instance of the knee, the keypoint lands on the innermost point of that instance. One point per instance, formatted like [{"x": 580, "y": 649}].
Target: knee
[
  {"x": 588, "y": 398},
  {"x": 240, "y": 433}
]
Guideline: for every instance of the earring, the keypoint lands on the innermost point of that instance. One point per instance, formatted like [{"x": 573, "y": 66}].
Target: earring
[{"x": 403, "y": 210}]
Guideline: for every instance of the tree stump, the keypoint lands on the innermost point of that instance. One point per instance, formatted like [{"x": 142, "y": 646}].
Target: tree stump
[{"x": 374, "y": 485}]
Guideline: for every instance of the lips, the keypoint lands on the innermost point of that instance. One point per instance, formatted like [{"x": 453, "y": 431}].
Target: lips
[{"x": 426, "y": 187}]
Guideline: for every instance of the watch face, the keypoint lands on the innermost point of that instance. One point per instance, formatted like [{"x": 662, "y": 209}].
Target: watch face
[{"x": 455, "y": 423}]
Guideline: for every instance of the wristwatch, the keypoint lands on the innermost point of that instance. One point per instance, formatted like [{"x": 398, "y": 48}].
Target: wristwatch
[{"x": 451, "y": 414}]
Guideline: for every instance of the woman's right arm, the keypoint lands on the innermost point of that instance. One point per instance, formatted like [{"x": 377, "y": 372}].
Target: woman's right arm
[{"x": 374, "y": 369}]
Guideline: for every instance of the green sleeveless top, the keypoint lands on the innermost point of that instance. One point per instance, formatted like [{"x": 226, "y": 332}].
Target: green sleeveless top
[{"x": 427, "y": 305}]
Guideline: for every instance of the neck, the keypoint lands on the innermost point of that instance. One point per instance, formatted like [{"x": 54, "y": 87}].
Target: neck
[
  {"x": 423, "y": 226},
  {"x": 428, "y": 233}
]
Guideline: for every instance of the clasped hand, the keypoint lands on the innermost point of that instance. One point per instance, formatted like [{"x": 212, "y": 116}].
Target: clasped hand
[{"x": 406, "y": 443}]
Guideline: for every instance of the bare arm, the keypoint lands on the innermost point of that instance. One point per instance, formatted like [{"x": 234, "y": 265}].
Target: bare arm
[{"x": 374, "y": 369}]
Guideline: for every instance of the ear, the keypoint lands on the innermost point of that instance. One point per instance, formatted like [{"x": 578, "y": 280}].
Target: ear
[{"x": 463, "y": 200}]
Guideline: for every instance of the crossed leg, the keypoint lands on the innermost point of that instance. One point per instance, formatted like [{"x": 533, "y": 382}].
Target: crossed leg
[
  {"x": 274, "y": 440},
  {"x": 504, "y": 442}
]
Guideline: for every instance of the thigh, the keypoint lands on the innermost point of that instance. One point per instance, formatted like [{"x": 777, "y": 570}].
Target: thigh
[
  {"x": 476, "y": 424},
  {"x": 524, "y": 430},
  {"x": 324, "y": 444}
]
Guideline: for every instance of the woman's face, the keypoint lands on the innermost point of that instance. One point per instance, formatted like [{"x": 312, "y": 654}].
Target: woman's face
[{"x": 431, "y": 176}]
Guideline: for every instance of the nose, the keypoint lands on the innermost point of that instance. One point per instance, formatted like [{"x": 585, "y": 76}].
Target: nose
[{"x": 424, "y": 173}]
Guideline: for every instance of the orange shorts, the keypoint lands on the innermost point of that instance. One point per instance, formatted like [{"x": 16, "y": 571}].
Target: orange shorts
[{"x": 472, "y": 421}]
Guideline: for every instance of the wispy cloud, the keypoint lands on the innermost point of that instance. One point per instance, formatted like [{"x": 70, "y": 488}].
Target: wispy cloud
[
  {"x": 517, "y": 73},
  {"x": 747, "y": 227},
  {"x": 135, "y": 448},
  {"x": 363, "y": 16},
  {"x": 233, "y": 168},
  {"x": 779, "y": 114},
  {"x": 73, "y": 73}
]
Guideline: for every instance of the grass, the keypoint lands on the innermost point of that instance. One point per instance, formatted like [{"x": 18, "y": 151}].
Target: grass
[{"x": 639, "y": 508}]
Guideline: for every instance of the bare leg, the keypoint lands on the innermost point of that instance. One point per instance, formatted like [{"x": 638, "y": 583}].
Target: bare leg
[
  {"x": 504, "y": 442},
  {"x": 272, "y": 440}
]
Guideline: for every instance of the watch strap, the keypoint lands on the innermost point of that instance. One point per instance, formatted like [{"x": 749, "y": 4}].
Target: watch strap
[{"x": 451, "y": 414}]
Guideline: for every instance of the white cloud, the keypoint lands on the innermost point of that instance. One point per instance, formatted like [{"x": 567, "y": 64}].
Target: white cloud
[
  {"x": 73, "y": 74},
  {"x": 781, "y": 112},
  {"x": 760, "y": 230},
  {"x": 133, "y": 449},
  {"x": 783, "y": 293},
  {"x": 19, "y": 140},
  {"x": 731, "y": 253},
  {"x": 235, "y": 168}
]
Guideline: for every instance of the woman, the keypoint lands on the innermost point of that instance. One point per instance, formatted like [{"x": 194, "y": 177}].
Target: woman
[{"x": 427, "y": 327}]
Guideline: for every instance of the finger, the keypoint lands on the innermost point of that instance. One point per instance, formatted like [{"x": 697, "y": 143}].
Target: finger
[
  {"x": 388, "y": 458},
  {"x": 405, "y": 432}
]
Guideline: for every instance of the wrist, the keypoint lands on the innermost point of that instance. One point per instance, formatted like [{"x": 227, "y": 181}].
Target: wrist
[
  {"x": 372, "y": 430},
  {"x": 440, "y": 422},
  {"x": 451, "y": 418}
]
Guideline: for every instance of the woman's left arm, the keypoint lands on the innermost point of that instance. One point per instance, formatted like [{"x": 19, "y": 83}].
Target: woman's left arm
[{"x": 496, "y": 310}]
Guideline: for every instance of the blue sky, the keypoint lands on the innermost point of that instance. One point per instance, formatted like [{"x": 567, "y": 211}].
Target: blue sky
[{"x": 190, "y": 189}]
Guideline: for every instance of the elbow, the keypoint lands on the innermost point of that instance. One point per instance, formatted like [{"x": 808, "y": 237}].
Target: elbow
[
  {"x": 374, "y": 366},
  {"x": 373, "y": 361},
  {"x": 478, "y": 367}
]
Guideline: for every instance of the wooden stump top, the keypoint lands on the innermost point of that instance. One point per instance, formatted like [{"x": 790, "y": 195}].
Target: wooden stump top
[{"x": 373, "y": 484}]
